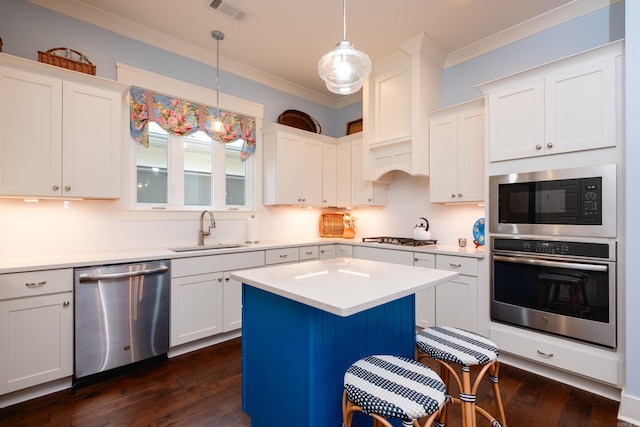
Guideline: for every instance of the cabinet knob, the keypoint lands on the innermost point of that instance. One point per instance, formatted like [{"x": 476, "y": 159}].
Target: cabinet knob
[
  {"x": 66, "y": 304},
  {"x": 220, "y": 279},
  {"x": 549, "y": 145},
  {"x": 538, "y": 147},
  {"x": 370, "y": 200},
  {"x": 67, "y": 187},
  {"x": 304, "y": 200},
  {"x": 55, "y": 188},
  {"x": 226, "y": 279},
  {"x": 460, "y": 195},
  {"x": 453, "y": 196}
]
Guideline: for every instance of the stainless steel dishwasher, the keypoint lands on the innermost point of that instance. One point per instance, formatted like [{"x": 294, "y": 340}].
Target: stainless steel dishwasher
[{"x": 121, "y": 315}]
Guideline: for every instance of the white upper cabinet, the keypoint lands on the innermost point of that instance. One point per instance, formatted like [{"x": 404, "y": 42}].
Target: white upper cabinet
[
  {"x": 565, "y": 106},
  {"x": 329, "y": 174},
  {"x": 457, "y": 154},
  {"x": 401, "y": 89},
  {"x": 292, "y": 166},
  {"x": 60, "y": 132}
]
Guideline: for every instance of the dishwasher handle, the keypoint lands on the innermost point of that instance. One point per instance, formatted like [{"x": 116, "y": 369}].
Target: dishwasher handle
[{"x": 110, "y": 276}]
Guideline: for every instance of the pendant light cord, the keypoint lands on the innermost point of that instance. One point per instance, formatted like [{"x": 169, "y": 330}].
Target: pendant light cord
[
  {"x": 344, "y": 19},
  {"x": 217, "y": 78}
]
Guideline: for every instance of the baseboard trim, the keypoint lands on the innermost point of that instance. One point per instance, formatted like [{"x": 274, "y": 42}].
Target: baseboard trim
[{"x": 629, "y": 410}]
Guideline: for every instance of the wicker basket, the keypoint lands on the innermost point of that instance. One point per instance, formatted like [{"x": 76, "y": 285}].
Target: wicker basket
[
  {"x": 331, "y": 224},
  {"x": 63, "y": 57}
]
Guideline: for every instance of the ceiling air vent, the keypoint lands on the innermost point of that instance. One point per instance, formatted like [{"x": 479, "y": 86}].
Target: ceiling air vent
[{"x": 229, "y": 9}]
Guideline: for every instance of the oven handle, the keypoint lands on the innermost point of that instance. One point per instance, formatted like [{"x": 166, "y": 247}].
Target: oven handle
[{"x": 547, "y": 263}]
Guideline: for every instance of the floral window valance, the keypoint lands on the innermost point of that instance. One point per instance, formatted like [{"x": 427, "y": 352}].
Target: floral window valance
[{"x": 182, "y": 117}]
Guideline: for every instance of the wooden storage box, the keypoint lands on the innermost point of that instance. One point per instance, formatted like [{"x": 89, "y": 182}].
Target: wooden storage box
[{"x": 64, "y": 57}]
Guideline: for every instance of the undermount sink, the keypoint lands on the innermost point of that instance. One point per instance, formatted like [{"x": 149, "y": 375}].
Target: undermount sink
[{"x": 208, "y": 247}]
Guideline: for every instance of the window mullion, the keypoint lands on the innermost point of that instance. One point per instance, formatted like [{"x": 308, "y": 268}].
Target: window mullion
[{"x": 176, "y": 171}]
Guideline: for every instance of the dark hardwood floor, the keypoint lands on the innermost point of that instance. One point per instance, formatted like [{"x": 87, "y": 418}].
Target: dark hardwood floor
[{"x": 203, "y": 388}]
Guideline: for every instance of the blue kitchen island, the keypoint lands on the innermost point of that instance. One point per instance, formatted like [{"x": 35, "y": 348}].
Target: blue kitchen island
[{"x": 304, "y": 324}]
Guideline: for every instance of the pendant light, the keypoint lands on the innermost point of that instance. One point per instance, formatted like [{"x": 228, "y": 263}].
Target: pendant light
[
  {"x": 217, "y": 124},
  {"x": 344, "y": 68}
]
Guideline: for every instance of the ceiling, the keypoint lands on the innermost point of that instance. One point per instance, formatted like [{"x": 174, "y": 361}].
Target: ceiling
[{"x": 282, "y": 40}]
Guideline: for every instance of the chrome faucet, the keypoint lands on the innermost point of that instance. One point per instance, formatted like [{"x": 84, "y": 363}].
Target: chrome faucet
[{"x": 203, "y": 233}]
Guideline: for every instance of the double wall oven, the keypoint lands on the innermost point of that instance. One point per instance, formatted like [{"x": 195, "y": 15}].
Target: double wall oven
[{"x": 553, "y": 252}]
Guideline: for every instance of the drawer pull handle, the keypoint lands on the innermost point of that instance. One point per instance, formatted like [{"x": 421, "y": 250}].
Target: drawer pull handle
[
  {"x": 309, "y": 253},
  {"x": 545, "y": 355},
  {"x": 36, "y": 285},
  {"x": 283, "y": 256},
  {"x": 454, "y": 265}
]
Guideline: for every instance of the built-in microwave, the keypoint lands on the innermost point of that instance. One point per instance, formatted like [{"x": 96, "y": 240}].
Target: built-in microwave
[{"x": 560, "y": 202}]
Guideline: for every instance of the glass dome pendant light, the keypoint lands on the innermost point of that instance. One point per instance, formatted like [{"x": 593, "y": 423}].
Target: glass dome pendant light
[
  {"x": 217, "y": 124},
  {"x": 344, "y": 68}
]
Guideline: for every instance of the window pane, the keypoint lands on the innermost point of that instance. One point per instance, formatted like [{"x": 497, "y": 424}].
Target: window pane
[
  {"x": 236, "y": 175},
  {"x": 198, "y": 168},
  {"x": 151, "y": 166}
]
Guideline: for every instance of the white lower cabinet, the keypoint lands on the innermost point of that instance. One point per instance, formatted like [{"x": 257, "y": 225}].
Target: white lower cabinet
[
  {"x": 205, "y": 301},
  {"x": 454, "y": 303},
  {"x": 36, "y": 328},
  {"x": 343, "y": 251},
  {"x": 308, "y": 253},
  {"x": 384, "y": 255}
]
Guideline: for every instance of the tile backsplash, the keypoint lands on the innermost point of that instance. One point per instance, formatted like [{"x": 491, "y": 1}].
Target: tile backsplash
[{"x": 56, "y": 226}]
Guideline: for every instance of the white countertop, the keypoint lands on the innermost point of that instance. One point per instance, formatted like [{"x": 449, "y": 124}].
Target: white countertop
[
  {"x": 86, "y": 259},
  {"x": 343, "y": 286}
]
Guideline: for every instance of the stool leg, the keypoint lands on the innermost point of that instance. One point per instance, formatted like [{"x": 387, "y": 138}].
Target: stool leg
[
  {"x": 493, "y": 375},
  {"x": 467, "y": 399}
]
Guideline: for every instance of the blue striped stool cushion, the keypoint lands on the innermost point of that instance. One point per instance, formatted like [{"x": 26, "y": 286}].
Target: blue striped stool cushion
[
  {"x": 456, "y": 346},
  {"x": 394, "y": 387}
]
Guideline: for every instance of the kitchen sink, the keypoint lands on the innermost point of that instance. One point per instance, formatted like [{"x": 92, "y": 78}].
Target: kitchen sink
[{"x": 208, "y": 247}]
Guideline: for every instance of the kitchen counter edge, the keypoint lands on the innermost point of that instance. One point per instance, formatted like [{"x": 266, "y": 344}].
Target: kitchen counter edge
[{"x": 85, "y": 259}]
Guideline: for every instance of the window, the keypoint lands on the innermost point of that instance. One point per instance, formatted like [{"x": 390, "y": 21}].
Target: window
[{"x": 186, "y": 166}]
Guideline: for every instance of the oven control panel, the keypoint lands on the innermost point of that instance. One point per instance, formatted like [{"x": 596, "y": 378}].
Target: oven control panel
[{"x": 552, "y": 247}]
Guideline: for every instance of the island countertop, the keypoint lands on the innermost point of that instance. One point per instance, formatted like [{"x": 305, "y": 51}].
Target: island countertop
[{"x": 343, "y": 286}]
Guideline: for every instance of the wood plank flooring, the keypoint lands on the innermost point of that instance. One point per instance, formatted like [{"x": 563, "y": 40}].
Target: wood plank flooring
[{"x": 203, "y": 388}]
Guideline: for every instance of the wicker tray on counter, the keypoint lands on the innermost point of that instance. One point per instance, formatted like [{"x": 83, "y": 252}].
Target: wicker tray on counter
[{"x": 331, "y": 224}]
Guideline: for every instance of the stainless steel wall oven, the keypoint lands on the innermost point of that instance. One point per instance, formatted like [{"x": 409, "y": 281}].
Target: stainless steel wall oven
[{"x": 564, "y": 288}]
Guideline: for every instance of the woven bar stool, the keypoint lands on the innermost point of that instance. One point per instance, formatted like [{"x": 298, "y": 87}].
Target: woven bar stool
[
  {"x": 392, "y": 387},
  {"x": 450, "y": 346}
]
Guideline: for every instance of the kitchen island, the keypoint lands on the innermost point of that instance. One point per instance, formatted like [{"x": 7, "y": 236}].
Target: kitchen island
[{"x": 304, "y": 324}]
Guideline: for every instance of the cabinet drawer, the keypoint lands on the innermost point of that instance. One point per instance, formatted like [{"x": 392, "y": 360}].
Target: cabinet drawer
[
  {"x": 211, "y": 263},
  {"x": 461, "y": 265},
  {"x": 308, "y": 252},
  {"x": 570, "y": 356},
  {"x": 279, "y": 256},
  {"x": 17, "y": 285}
]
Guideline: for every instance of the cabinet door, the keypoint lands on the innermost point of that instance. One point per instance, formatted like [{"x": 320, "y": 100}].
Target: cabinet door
[
  {"x": 470, "y": 162},
  {"x": 425, "y": 300},
  {"x": 384, "y": 255},
  {"x": 457, "y": 303},
  {"x": 343, "y": 174},
  {"x": 30, "y": 134},
  {"x": 92, "y": 139},
  {"x": 580, "y": 109},
  {"x": 36, "y": 338},
  {"x": 516, "y": 122},
  {"x": 310, "y": 172},
  {"x": 443, "y": 140},
  {"x": 196, "y": 307},
  {"x": 329, "y": 175},
  {"x": 232, "y": 294},
  {"x": 287, "y": 170}
]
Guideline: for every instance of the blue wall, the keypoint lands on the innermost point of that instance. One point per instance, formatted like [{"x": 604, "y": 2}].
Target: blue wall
[{"x": 595, "y": 29}]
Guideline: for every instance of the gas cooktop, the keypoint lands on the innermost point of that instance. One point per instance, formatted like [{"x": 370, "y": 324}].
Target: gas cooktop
[{"x": 402, "y": 241}]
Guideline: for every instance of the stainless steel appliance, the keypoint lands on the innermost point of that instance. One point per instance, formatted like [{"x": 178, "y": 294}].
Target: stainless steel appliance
[
  {"x": 402, "y": 241},
  {"x": 121, "y": 315},
  {"x": 560, "y": 287},
  {"x": 561, "y": 202}
]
